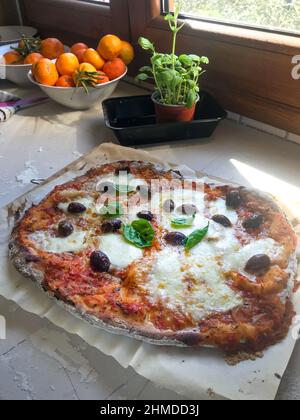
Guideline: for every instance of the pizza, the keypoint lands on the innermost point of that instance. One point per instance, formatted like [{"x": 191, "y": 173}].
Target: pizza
[{"x": 141, "y": 251}]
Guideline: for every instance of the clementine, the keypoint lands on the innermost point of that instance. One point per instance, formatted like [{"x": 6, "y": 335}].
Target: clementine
[
  {"x": 12, "y": 57},
  {"x": 114, "y": 68},
  {"x": 87, "y": 67},
  {"x": 109, "y": 47},
  {"x": 80, "y": 55},
  {"x": 77, "y": 47},
  {"x": 102, "y": 78},
  {"x": 67, "y": 64},
  {"x": 65, "y": 81},
  {"x": 91, "y": 56},
  {"x": 52, "y": 48},
  {"x": 45, "y": 72},
  {"x": 83, "y": 68},
  {"x": 33, "y": 58},
  {"x": 127, "y": 53}
]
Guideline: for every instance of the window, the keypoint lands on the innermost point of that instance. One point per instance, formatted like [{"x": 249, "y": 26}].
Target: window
[{"x": 277, "y": 15}]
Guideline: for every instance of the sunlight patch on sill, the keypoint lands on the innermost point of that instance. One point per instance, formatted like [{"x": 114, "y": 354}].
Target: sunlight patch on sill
[{"x": 286, "y": 193}]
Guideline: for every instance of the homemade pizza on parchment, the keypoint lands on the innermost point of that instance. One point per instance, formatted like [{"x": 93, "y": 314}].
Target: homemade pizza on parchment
[{"x": 141, "y": 251}]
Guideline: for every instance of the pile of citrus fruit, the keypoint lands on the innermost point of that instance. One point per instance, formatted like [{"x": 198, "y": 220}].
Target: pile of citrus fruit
[{"x": 82, "y": 66}]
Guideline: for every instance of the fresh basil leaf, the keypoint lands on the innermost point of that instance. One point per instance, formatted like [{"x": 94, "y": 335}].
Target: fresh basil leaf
[
  {"x": 146, "y": 44},
  {"x": 195, "y": 58},
  {"x": 204, "y": 60},
  {"x": 140, "y": 233},
  {"x": 124, "y": 189},
  {"x": 112, "y": 210},
  {"x": 183, "y": 222},
  {"x": 142, "y": 77},
  {"x": 196, "y": 237},
  {"x": 146, "y": 69},
  {"x": 186, "y": 60}
]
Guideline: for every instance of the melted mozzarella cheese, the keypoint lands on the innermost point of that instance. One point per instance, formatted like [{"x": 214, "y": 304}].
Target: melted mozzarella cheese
[
  {"x": 218, "y": 207},
  {"x": 45, "y": 242},
  {"x": 120, "y": 252},
  {"x": 222, "y": 239},
  {"x": 237, "y": 261},
  {"x": 165, "y": 282},
  {"x": 191, "y": 283}
]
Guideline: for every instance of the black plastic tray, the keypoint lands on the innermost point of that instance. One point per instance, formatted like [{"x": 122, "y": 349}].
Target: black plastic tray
[{"x": 132, "y": 119}]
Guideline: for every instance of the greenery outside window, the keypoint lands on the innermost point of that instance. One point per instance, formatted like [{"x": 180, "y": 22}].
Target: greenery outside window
[{"x": 268, "y": 15}]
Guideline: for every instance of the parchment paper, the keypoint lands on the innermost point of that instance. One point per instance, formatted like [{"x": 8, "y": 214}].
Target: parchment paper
[{"x": 193, "y": 373}]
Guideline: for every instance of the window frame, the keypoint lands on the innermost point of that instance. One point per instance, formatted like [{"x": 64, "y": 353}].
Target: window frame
[{"x": 100, "y": 18}]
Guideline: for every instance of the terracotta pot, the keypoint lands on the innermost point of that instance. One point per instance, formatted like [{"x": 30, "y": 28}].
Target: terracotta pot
[{"x": 172, "y": 113}]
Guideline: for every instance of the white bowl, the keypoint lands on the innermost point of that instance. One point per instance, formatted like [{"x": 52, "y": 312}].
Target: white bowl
[
  {"x": 17, "y": 74},
  {"x": 77, "y": 98},
  {"x": 14, "y": 73},
  {"x": 10, "y": 34}
]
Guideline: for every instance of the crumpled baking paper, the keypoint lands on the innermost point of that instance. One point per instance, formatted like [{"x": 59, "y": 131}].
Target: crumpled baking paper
[{"x": 193, "y": 373}]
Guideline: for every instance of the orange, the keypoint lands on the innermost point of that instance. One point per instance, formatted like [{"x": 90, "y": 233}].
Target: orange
[
  {"x": 52, "y": 48},
  {"x": 114, "y": 68},
  {"x": 102, "y": 78},
  {"x": 109, "y": 47},
  {"x": 67, "y": 64},
  {"x": 84, "y": 67},
  {"x": 33, "y": 58},
  {"x": 77, "y": 47},
  {"x": 45, "y": 72},
  {"x": 127, "y": 53},
  {"x": 12, "y": 57},
  {"x": 91, "y": 56},
  {"x": 65, "y": 81}
]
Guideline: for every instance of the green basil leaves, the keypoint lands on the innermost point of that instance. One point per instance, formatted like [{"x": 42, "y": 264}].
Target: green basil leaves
[
  {"x": 183, "y": 222},
  {"x": 140, "y": 233},
  {"x": 195, "y": 238}
]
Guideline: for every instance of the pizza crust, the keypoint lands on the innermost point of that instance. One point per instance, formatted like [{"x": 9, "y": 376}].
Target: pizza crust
[{"x": 25, "y": 262}]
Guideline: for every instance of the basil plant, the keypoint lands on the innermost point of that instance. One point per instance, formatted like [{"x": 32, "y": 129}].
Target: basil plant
[{"x": 176, "y": 77}]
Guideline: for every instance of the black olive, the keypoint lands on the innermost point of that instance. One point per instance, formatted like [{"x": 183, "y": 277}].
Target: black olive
[
  {"x": 169, "y": 206},
  {"x": 253, "y": 222},
  {"x": 222, "y": 220},
  {"x": 175, "y": 238},
  {"x": 65, "y": 228},
  {"x": 188, "y": 209},
  {"x": 76, "y": 208},
  {"x": 259, "y": 265},
  {"x": 147, "y": 215},
  {"x": 111, "y": 226},
  {"x": 234, "y": 199},
  {"x": 106, "y": 187},
  {"x": 100, "y": 262}
]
